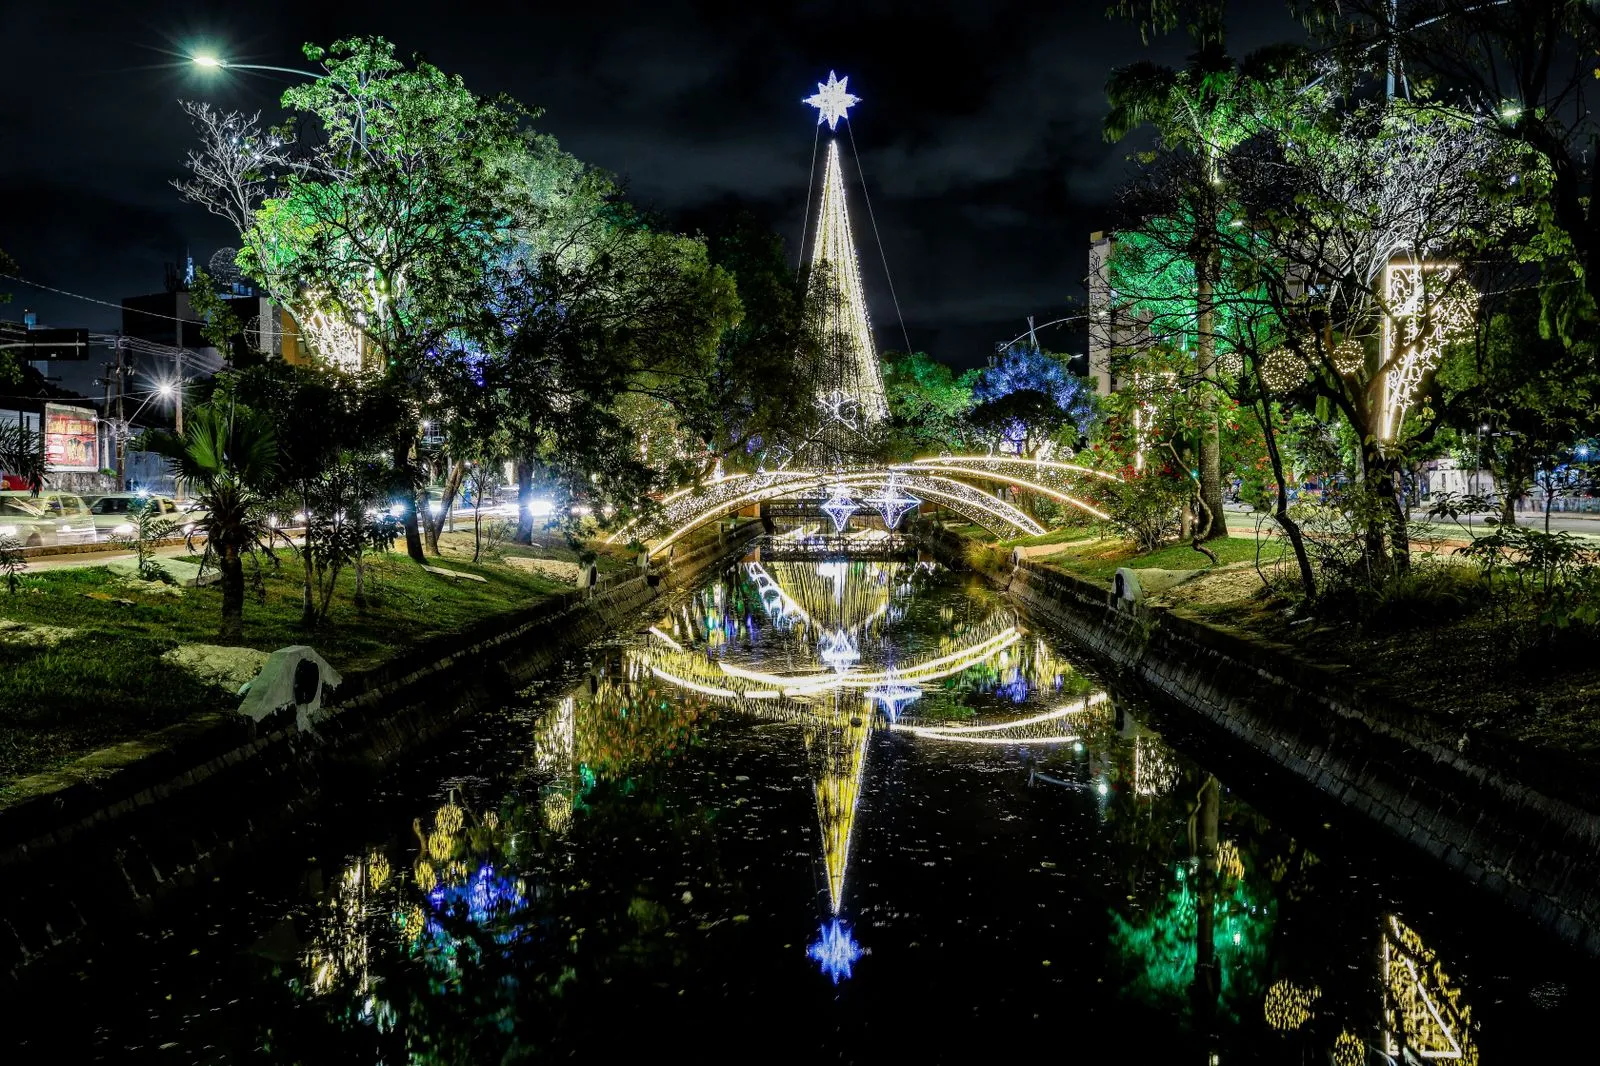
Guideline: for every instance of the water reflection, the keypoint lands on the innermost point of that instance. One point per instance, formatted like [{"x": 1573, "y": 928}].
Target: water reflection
[{"x": 804, "y": 780}]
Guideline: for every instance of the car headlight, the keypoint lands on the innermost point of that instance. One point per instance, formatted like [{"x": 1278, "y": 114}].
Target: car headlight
[
  {"x": 8, "y": 531},
  {"x": 124, "y": 530}
]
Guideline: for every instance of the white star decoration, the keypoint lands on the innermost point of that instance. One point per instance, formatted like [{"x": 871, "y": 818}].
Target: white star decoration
[
  {"x": 832, "y": 101},
  {"x": 840, "y": 507},
  {"x": 892, "y": 502}
]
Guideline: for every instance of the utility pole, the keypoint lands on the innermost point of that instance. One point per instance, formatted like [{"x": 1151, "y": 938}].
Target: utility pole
[
  {"x": 178, "y": 385},
  {"x": 110, "y": 369},
  {"x": 122, "y": 425}
]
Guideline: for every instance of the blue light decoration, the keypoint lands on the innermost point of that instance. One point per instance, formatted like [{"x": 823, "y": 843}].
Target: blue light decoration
[
  {"x": 485, "y": 894},
  {"x": 835, "y": 950},
  {"x": 839, "y": 507}
]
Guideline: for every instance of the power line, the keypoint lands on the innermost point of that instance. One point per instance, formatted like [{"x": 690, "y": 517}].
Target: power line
[{"x": 811, "y": 181}]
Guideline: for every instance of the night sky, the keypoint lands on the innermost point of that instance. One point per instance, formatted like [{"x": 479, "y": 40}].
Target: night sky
[{"x": 978, "y": 131}]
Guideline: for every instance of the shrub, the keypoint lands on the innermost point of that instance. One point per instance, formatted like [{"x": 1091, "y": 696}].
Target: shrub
[{"x": 1144, "y": 509}]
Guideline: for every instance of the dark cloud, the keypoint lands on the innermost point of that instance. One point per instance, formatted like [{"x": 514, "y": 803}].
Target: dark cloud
[{"x": 978, "y": 132}]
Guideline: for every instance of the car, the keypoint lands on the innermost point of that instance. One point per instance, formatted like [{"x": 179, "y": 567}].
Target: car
[
  {"x": 113, "y": 514},
  {"x": 48, "y": 519}
]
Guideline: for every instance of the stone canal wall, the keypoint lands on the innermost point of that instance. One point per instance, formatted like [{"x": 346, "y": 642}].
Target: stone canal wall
[
  {"x": 184, "y": 802},
  {"x": 1518, "y": 823}
]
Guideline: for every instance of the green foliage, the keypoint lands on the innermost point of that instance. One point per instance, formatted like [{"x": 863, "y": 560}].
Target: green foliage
[
  {"x": 12, "y": 563},
  {"x": 228, "y": 457},
  {"x": 928, "y": 404},
  {"x": 22, "y": 454},
  {"x": 149, "y": 528},
  {"x": 1144, "y": 508}
]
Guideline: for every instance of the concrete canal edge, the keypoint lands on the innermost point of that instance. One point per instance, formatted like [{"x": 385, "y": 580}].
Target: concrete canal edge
[
  {"x": 1517, "y": 822},
  {"x": 169, "y": 811}
]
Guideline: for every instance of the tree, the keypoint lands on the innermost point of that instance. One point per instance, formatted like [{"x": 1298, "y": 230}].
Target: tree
[
  {"x": 1348, "y": 216},
  {"x": 1523, "y": 72},
  {"x": 228, "y": 458},
  {"x": 1023, "y": 421},
  {"x": 1197, "y": 111},
  {"x": 757, "y": 392},
  {"x": 379, "y": 240},
  {"x": 928, "y": 404}
]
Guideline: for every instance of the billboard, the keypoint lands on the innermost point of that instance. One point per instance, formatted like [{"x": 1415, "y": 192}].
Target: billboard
[{"x": 70, "y": 440}]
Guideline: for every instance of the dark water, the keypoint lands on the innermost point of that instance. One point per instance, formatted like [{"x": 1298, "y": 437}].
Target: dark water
[{"x": 838, "y": 812}]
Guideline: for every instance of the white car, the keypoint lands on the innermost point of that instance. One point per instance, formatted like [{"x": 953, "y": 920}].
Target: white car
[
  {"x": 114, "y": 519},
  {"x": 48, "y": 519}
]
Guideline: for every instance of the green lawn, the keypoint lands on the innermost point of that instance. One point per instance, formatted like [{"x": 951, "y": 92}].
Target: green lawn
[
  {"x": 105, "y": 681},
  {"x": 1101, "y": 559}
]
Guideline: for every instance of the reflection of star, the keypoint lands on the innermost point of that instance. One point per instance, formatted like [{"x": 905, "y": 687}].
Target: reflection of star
[
  {"x": 894, "y": 695},
  {"x": 836, "y": 950},
  {"x": 838, "y": 650},
  {"x": 832, "y": 101}
]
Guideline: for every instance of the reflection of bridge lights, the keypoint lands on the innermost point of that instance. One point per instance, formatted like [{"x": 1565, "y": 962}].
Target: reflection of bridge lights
[
  {"x": 838, "y": 650},
  {"x": 836, "y": 950},
  {"x": 978, "y": 734}
]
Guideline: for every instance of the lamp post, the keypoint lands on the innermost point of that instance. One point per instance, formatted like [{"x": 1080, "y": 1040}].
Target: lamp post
[{"x": 207, "y": 61}]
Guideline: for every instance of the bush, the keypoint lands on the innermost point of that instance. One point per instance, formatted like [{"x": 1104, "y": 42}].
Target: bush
[{"x": 1144, "y": 509}]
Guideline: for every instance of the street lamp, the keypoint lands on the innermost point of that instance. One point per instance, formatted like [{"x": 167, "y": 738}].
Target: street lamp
[{"x": 210, "y": 62}]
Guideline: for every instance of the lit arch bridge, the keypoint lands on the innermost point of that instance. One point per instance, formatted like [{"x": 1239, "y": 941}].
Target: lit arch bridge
[{"x": 952, "y": 481}]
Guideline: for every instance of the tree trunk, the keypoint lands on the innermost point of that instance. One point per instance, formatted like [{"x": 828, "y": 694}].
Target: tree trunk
[
  {"x": 230, "y": 567},
  {"x": 524, "y": 502},
  {"x": 452, "y": 485},
  {"x": 1207, "y": 973},
  {"x": 1210, "y": 423},
  {"x": 308, "y": 610},
  {"x": 406, "y": 469},
  {"x": 1280, "y": 513}
]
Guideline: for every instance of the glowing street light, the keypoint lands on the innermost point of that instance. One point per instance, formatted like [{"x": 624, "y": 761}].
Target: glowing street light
[{"x": 207, "y": 61}]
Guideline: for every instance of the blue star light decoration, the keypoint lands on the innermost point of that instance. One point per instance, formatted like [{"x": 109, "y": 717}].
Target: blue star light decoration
[
  {"x": 839, "y": 507},
  {"x": 832, "y": 101},
  {"x": 893, "y": 502},
  {"x": 836, "y": 950}
]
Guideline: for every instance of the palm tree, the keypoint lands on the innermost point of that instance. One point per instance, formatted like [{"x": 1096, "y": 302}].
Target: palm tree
[
  {"x": 1199, "y": 109},
  {"x": 228, "y": 457},
  {"x": 22, "y": 455}
]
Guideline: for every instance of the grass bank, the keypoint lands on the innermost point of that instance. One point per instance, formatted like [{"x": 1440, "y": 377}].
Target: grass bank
[
  {"x": 1444, "y": 639},
  {"x": 84, "y": 651}
]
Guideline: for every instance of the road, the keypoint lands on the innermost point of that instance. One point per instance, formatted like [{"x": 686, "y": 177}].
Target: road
[{"x": 1242, "y": 518}]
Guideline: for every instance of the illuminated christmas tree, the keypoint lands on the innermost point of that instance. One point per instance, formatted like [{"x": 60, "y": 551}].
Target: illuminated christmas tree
[{"x": 849, "y": 382}]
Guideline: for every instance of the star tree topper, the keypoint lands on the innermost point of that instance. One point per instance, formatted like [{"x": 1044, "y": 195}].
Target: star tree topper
[{"x": 832, "y": 101}]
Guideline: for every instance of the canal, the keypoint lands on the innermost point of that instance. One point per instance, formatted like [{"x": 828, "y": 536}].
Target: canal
[{"x": 823, "y": 811}]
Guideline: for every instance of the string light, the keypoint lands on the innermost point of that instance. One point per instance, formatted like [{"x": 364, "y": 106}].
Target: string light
[{"x": 854, "y": 371}]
